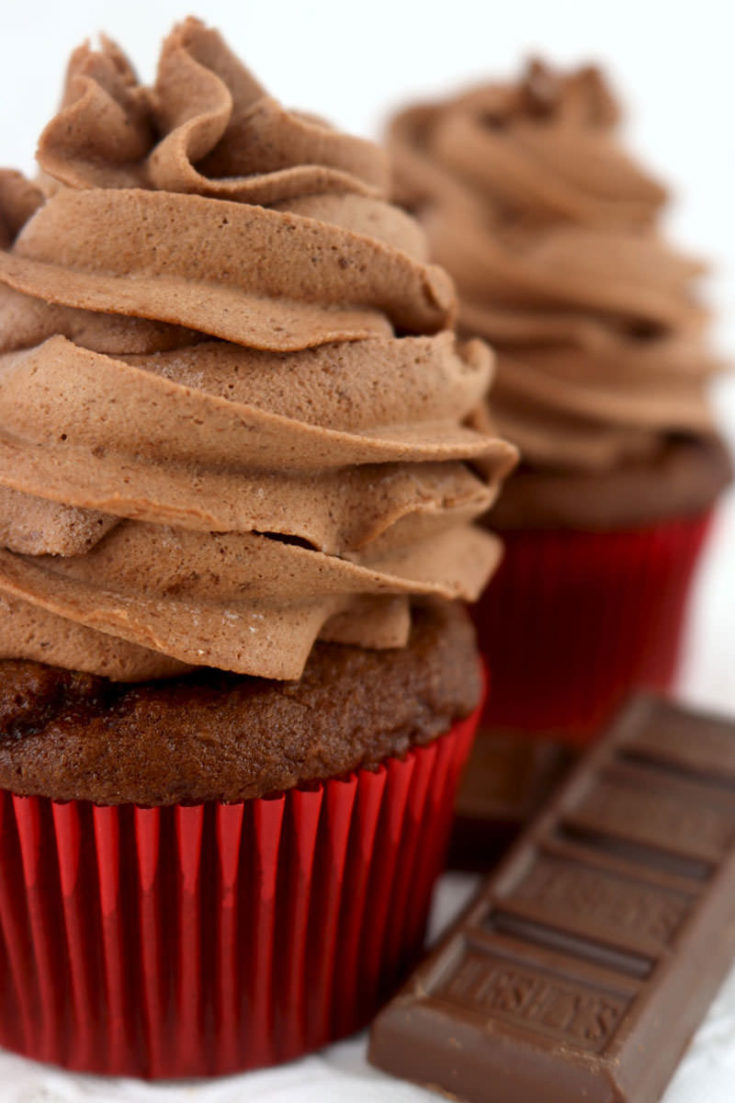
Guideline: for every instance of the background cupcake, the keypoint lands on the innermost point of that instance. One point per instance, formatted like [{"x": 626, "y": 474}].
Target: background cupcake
[
  {"x": 550, "y": 231},
  {"x": 238, "y": 480}
]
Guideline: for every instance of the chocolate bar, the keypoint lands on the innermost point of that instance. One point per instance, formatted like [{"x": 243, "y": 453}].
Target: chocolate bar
[
  {"x": 586, "y": 962},
  {"x": 508, "y": 779}
]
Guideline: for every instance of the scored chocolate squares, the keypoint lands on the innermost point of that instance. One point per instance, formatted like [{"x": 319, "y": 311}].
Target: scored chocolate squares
[
  {"x": 509, "y": 777},
  {"x": 587, "y": 960}
]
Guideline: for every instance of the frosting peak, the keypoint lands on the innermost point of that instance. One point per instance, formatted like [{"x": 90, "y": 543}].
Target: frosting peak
[
  {"x": 549, "y": 230},
  {"x": 233, "y": 416}
]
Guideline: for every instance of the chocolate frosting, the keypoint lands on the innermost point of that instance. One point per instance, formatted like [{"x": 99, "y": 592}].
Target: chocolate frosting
[
  {"x": 234, "y": 418},
  {"x": 549, "y": 229}
]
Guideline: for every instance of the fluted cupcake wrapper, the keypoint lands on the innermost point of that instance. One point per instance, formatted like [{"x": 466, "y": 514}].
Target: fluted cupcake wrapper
[
  {"x": 573, "y": 621},
  {"x": 201, "y": 940}
]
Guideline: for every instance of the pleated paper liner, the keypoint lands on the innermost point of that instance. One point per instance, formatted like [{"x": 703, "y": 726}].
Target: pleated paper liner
[
  {"x": 203, "y": 940},
  {"x": 573, "y": 621}
]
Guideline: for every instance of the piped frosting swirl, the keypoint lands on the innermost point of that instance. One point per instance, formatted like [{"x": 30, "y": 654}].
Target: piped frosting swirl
[
  {"x": 233, "y": 416},
  {"x": 549, "y": 230}
]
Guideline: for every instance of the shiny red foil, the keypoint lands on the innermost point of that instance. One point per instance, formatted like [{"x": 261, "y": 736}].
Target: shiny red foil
[
  {"x": 202, "y": 940},
  {"x": 573, "y": 621}
]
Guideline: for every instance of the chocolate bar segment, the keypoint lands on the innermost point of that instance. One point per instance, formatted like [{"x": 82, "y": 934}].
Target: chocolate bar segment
[
  {"x": 509, "y": 777},
  {"x": 586, "y": 962}
]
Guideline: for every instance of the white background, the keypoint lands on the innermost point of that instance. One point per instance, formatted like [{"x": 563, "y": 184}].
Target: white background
[{"x": 353, "y": 63}]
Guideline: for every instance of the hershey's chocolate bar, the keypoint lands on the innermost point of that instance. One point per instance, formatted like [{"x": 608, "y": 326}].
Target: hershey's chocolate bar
[
  {"x": 509, "y": 777},
  {"x": 589, "y": 957}
]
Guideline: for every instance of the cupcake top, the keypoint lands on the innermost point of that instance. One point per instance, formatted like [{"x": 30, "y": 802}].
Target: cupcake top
[
  {"x": 550, "y": 230},
  {"x": 234, "y": 417},
  {"x": 213, "y": 735}
]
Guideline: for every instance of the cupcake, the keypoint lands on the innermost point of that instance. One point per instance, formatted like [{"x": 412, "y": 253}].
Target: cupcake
[
  {"x": 550, "y": 231},
  {"x": 240, "y": 461}
]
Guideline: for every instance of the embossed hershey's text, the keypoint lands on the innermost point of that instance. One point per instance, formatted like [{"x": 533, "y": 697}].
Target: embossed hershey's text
[{"x": 575, "y": 1013}]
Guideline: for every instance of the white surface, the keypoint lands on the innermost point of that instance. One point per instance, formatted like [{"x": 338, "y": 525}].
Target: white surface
[{"x": 353, "y": 63}]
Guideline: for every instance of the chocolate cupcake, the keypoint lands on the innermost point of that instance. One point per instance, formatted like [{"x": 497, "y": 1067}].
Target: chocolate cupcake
[
  {"x": 240, "y": 460},
  {"x": 550, "y": 231}
]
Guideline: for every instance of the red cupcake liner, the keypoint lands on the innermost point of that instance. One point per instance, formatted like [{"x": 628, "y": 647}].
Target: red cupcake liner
[
  {"x": 207, "y": 939},
  {"x": 573, "y": 621}
]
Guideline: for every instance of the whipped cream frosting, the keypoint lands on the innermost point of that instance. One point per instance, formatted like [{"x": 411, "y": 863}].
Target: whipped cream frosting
[
  {"x": 550, "y": 231},
  {"x": 234, "y": 418}
]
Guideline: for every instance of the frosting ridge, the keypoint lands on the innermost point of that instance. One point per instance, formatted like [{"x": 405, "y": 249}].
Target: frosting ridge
[
  {"x": 550, "y": 231},
  {"x": 233, "y": 416}
]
